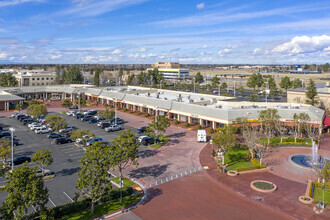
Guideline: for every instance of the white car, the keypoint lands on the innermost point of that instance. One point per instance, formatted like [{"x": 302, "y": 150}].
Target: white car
[
  {"x": 69, "y": 113},
  {"x": 33, "y": 127},
  {"x": 33, "y": 124},
  {"x": 141, "y": 137},
  {"x": 14, "y": 115},
  {"x": 45, "y": 173},
  {"x": 43, "y": 130},
  {"x": 67, "y": 129},
  {"x": 113, "y": 128}
]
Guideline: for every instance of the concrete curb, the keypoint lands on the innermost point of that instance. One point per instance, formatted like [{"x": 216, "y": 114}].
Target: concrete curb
[{"x": 145, "y": 193}]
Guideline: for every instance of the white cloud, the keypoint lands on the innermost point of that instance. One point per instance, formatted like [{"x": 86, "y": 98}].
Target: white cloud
[
  {"x": 55, "y": 56},
  {"x": 23, "y": 57},
  {"x": 11, "y": 58},
  {"x": 3, "y": 55},
  {"x": 17, "y": 2},
  {"x": 303, "y": 44},
  {"x": 117, "y": 51},
  {"x": 256, "y": 51},
  {"x": 200, "y": 6},
  {"x": 143, "y": 49},
  {"x": 223, "y": 52}
]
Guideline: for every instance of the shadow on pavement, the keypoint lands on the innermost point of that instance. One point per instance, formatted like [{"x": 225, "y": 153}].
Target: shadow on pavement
[
  {"x": 68, "y": 172},
  {"x": 152, "y": 193},
  {"x": 177, "y": 135},
  {"x": 148, "y": 153},
  {"x": 153, "y": 171}
]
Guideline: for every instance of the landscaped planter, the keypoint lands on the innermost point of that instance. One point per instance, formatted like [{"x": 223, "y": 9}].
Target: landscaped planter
[
  {"x": 232, "y": 173},
  {"x": 305, "y": 199},
  {"x": 263, "y": 186}
]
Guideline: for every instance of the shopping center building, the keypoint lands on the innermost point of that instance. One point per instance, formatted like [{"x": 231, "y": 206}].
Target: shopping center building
[{"x": 207, "y": 110}]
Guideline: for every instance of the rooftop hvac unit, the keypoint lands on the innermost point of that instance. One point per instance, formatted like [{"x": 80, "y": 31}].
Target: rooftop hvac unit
[
  {"x": 165, "y": 98},
  {"x": 218, "y": 106},
  {"x": 201, "y": 98},
  {"x": 157, "y": 96},
  {"x": 191, "y": 101}
]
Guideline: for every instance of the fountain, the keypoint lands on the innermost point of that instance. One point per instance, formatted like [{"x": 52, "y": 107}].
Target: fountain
[{"x": 309, "y": 160}]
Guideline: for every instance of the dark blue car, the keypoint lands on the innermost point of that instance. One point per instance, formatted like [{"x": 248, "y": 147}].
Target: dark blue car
[{"x": 93, "y": 120}]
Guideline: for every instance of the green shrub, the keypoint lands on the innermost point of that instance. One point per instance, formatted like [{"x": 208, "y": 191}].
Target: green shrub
[
  {"x": 275, "y": 140},
  {"x": 139, "y": 113},
  {"x": 250, "y": 168},
  {"x": 125, "y": 110},
  {"x": 176, "y": 122},
  {"x": 69, "y": 208},
  {"x": 290, "y": 139},
  {"x": 119, "y": 108},
  {"x": 211, "y": 131},
  {"x": 131, "y": 112},
  {"x": 115, "y": 194},
  {"x": 199, "y": 127},
  {"x": 255, "y": 162},
  {"x": 187, "y": 125},
  {"x": 147, "y": 115}
]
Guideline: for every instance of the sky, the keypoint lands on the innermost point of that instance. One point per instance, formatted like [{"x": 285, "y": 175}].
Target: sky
[{"x": 148, "y": 31}]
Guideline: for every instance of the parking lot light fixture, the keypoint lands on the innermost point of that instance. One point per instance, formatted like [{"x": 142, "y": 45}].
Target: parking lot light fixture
[
  {"x": 12, "y": 130},
  {"x": 115, "y": 112}
]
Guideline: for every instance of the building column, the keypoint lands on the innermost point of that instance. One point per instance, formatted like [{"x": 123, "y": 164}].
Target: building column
[
  {"x": 201, "y": 122},
  {"x": 213, "y": 125},
  {"x": 169, "y": 115},
  {"x": 189, "y": 119},
  {"x": 149, "y": 111}
]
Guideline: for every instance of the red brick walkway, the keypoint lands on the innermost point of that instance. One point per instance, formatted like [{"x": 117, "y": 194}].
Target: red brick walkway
[{"x": 284, "y": 199}]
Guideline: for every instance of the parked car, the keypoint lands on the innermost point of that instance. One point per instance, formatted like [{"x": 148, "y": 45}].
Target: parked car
[
  {"x": 73, "y": 107},
  {"x": 64, "y": 130},
  {"x": 41, "y": 174},
  {"x": 91, "y": 142},
  {"x": 37, "y": 126},
  {"x": 15, "y": 142},
  {"x": 34, "y": 124},
  {"x": 42, "y": 130},
  {"x": 63, "y": 140},
  {"x": 113, "y": 128},
  {"x": 5, "y": 134},
  {"x": 18, "y": 117},
  {"x": 24, "y": 117},
  {"x": 42, "y": 117},
  {"x": 141, "y": 137},
  {"x": 53, "y": 135},
  {"x": 117, "y": 121},
  {"x": 21, "y": 159},
  {"x": 149, "y": 141},
  {"x": 1, "y": 128},
  {"x": 92, "y": 120},
  {"x": 105, "y": 125},
  {"x": 27, "y": 121},
  {"x": 14, "y": 115},
  {"x": 69, "y": 113},
  {"x": 142, "y": 129},
  {"x": 86, "y": 117},
  {"x": 98, "y": 117}
]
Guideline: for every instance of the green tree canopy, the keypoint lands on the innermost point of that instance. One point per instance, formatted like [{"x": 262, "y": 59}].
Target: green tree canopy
[
  {"x": 24, "y": 190},
  {"x": 66, "y": 103},
  {"x": 160, "y": 124},
  {"x": 108, "y": 114},
  {"x": 8, "y": 80},
  {"x": 215, "y": 81},
  {"x": 5, "y": 148},
  {"x": 56, "y": 122},
  {"x": 269, "y": 120},
  {"x": 97, "y": 74},
  {"x": 296, "y": 83},
  {"x": 124, "y": 151},
  {"x": 254, "y": 81},
  {"x": 223, "y": 86},
  {"x": 83, "y": 134},
  {"x": 253, "y": 98},
  {"x": 199, "y": 78},
  {"x": 19, "y": 107},
  {"x": 58, "y": 78},
  {"x": 37, "y": 110},
  {"x": 73, "y": 76},
  {"x": 43, "y": 157},
  {"x": 285, "y": 83},
  {"x": 93, "y": 176},
  {"x": 311, "y": 93},
  {"x": 142, "y": 78}
]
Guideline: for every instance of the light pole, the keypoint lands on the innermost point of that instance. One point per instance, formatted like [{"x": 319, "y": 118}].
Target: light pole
[
  {"x": 266, "y": 90},
  {"x": 234, "y": 88},
  {"x": 219, "y": 93},
  {"x": 115, "y": 112},
  {"x": 160, "y": 84},
  {"x": 323, "y": 187},
  {"x": 79, "y": 102},
  {"x": 12, "y": 148},
  {"x": 194, "y": 86},
  {"x": 155, "y": 113}
]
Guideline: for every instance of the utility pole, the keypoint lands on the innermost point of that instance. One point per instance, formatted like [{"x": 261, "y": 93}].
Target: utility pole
[
  {"x": 115, "y": 112},
  {"x": 194, "y": 86}
]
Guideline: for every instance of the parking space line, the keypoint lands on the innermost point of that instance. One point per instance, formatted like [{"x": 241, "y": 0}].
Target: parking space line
[
  {"x": 68, "y": 196},
  {"x": 52, "y": 202}
]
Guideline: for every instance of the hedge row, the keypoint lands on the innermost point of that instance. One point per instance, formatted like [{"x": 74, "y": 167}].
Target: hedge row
[
  {"x": 294, "y": 143},
  {"x": 277, "y": 140},
  {"x": 255, "y": 162},
  {"x": 250, "y": 168},
  {"x": 69, "y": 208},
  {"x": 317, "y": 185}
]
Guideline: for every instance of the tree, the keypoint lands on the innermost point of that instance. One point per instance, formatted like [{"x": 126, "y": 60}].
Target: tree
[
  {"x": 268, "y": 120},
  {"x": 224, "y": 139},
  {"x": 91, "y": 72},
  {"x": 58, "y": 79},
  {"x": 37, "y": 110},
  {"x": 97, "y": 74},
  {"x": 5, "y": 148},
  {"x": 311, "y": 93},
  {"x": 73, "y": 76},
  {"x": 124, "y": 151},
  {"x": 215, "y": 81},
  {"x": 8, "y": 80},
  {"x": 325, "y": 172},
  {"x": 262, "y": 151},
  {"x": 93, "y": 176},
  {"x": 82, "y": 102},
  {"x": 121, "y": 73},
  {"x": 43, "y": 157},
  {"x": 25, "y": 190},
  {"x": 130, "y": 79},
  {"x": 19, "y": 107},
  {"x": 66, "y": 103},
  {"x": 82, "y": 134},
  {"x": 142, "y": 78},
  {"x": 160, "y": 124},
  {"x": 296, "y": 83},
  {"x": 253, "y": 98},
  {"x": 56, "y": 122},
  {"x": 285, "y": 83},
  {"x": 254, "y": 81},
  {"x": 199, "y": 78},
  {"x": 326, "y": 67},
  {"x": 241, "y": 89},
  {"x": 250, "y": 134},
  {"x": 107, "y": 115},
  {"x": 223, "y": 86}
]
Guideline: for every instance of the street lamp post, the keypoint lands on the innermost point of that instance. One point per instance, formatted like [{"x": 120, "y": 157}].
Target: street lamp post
[
  {"x": 155, "y": 113},
  {"x": 266, "y": 90},
  {"x": 115, "y": 112},
  {"x": 219, "y": 93},
  {"x": 79, "y": 102},
  {"x": 234, "y": 88},
  {"x": 12, "y": 148},
  {"x": 194, "y": 86},
  {"x": 323, "y": 187}
]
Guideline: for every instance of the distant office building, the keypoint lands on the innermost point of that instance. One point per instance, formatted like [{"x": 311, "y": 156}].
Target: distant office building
[
  {"x": 35, "y": 78},
  {"x": 6, "y": 71},
  {"x": 171, "y": 71}
]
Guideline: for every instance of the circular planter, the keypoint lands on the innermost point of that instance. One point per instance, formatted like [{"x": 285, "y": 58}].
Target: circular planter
[
  {"x": 263, "y": 186},
  {"x": 232, "y": 173},
  {"x": 305, "y": 199}
]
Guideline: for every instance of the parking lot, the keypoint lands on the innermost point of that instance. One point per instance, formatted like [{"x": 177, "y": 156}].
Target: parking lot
[{"x": 66, "y": 156}]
